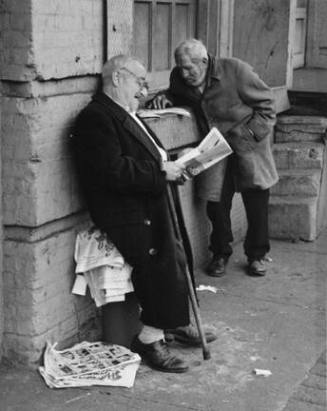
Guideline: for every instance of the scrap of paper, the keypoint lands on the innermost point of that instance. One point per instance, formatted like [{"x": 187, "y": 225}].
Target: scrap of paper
[
  {"x": 264, "y": 373},
  {"x": 207, "y": 288}
]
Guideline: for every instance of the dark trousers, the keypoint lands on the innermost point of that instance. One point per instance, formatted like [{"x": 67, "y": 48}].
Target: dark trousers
[{"x": 255, "y": 201}]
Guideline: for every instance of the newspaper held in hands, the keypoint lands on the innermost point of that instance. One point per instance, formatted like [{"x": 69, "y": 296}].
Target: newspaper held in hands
[{"x": 212, "y": 149}]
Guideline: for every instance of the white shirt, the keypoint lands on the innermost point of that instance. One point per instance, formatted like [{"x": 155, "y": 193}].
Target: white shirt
[{"x": 139, "y": 122}]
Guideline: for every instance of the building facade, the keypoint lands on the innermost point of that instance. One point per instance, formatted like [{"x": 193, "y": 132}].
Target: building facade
[{"x": 50, "y": 60}]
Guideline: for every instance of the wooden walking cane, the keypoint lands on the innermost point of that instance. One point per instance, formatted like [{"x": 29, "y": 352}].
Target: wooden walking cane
[{"x": 194, "y": 303}]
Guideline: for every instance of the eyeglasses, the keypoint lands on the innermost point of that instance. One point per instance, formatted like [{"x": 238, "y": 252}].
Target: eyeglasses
[{"x": 140, "y": 80}]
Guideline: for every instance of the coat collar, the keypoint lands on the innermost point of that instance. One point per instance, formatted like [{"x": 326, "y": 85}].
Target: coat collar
[
  {"x": 129, "y": 124},
  {"x": 215, "y": 69}
]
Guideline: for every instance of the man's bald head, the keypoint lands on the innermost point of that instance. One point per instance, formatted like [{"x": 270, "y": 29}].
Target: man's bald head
[
  {"x": 192, "y": 48},
  {"x": 116, "y": 63}
]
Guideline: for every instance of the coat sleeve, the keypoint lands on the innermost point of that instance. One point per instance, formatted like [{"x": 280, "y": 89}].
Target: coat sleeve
[
  {"x": 103, "y": 164},
  {"x": 256, "y": 94}
]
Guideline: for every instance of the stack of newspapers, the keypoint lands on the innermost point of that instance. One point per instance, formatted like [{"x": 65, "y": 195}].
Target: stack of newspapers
[
  {"x": 89, "y": 363},
  {"x": 101, "y": 267}
]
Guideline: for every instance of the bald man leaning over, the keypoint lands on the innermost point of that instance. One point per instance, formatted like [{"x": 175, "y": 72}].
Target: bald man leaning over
[
  {"x": 125, "y": 173},
  {"x": 226, "y": 93}
]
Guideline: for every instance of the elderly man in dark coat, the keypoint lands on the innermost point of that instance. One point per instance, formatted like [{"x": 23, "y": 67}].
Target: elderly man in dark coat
[
  {"x": 126, "y": 177},
  {"x": 228, "y": 94}
]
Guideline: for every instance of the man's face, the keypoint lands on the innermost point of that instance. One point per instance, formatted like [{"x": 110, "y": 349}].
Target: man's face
[
  {"x": 193, "y": 72},
  {"x": 132, "y": 85}
]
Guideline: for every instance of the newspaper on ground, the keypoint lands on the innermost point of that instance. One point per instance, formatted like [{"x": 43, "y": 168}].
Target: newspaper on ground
[
  {"x": 212, "y": 149},
  {"x": 89, "y": 363}
]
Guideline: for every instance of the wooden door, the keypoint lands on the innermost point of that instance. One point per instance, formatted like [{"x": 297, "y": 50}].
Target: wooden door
[
  {"x": 317, "y": 34},
  {"x": 261, "y": 38}
]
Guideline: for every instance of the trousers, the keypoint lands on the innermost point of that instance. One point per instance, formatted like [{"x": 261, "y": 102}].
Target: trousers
[{"x": 256, "y": 243}]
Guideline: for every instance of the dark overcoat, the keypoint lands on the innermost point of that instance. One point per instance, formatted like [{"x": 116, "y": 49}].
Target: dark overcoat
[
  {"x": 126, "y": 192},
  {"x": 241, "y": 106}
]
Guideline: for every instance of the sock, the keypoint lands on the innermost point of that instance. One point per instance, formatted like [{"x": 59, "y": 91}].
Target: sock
[{"x": 149, "y": 335}]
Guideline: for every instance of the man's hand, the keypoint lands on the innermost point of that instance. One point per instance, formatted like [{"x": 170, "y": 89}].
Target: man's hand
[
  {"x": 173, "y": 171},
  {"x": 160, "y": 101}
]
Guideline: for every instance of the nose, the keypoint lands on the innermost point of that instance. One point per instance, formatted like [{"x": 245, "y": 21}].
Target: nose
[
  {"x": 185, "y": 73},
  {"x": 143, "y": 91}
]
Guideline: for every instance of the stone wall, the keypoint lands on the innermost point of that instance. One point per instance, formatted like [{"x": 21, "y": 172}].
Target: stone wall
[{"x": 52, "y": 53}]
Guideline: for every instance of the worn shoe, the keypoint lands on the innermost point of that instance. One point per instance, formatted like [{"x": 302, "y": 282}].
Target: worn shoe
[
  {"x": 188, "y": 335},
  {"x": 257, "y": 267},
  {"x": 216, "y": 268},
  {"x": 157, "y": 356}
]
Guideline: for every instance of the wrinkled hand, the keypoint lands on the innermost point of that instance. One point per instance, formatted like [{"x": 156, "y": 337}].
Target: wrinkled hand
[
  {"x": 173, "y": 171},
  {"x": 160, "y": 101}
]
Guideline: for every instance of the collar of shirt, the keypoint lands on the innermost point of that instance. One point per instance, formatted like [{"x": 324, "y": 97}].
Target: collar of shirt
[{"x": 162, "y": 152}]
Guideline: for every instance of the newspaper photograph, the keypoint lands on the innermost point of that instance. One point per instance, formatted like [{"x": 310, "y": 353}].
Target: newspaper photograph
[{"x": 212, "y": 149}]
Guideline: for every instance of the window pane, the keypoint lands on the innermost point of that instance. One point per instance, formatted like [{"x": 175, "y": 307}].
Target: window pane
[
  {"x": 182, "y": 29},
  {"x": 142, "y": 20},
  {"x": 162, "y": 28}
]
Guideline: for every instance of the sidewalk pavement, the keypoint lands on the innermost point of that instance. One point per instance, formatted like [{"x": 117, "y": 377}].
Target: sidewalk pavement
[{"x": 276, "y": 322}]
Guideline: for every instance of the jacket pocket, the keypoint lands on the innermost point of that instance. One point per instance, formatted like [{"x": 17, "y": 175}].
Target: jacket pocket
[
  {"x": 259, "y": 128},
  {"x": 241, "y": 138}
]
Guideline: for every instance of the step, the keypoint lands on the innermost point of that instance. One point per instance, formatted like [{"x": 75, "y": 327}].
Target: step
[
  {"x": 300, "y": 128},
  {"x": 297, "y": 182},
  {"x": 299, "y": 155},
  {"x": 292, "y": 217}
]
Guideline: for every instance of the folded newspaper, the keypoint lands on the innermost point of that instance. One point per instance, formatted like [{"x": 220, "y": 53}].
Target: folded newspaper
[
  {"x": 213, "y": 148},
  {"x": 157, "y": 113},
  {"x": 89, "y": 363}
]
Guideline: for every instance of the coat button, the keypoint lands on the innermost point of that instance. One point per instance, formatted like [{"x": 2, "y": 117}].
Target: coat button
[
  {"x": 147, "y": 222},
  {"x": 153, "y": 251}
]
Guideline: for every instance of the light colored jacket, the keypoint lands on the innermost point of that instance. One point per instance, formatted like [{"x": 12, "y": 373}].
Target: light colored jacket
[{"x": 241, "y": 106}]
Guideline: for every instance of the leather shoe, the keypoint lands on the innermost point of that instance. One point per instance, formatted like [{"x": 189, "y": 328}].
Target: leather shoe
[
  {"x": 216, "y": 268},
  {"x": 188, "y": 335},
  {"x": 157, "y": 356},
  {"x": 257, "y": 267}
]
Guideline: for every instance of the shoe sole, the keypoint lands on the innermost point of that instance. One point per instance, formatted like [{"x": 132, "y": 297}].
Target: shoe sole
[
  {"x": 216, "y": 275},
  {"x": 172, "y": 371},
  {"x": 256, "y": 273}
]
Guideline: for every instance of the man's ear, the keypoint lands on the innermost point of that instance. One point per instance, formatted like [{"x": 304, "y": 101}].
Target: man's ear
[{"x": 115, "y": 78}]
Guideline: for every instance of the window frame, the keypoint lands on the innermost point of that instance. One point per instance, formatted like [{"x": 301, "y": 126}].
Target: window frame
[{"x": 159, "y": 78}]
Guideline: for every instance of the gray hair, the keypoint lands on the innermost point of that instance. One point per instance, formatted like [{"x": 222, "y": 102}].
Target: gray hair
[
  {"x": 115, "y": 63},
  {"x": 194, "y": 48}
]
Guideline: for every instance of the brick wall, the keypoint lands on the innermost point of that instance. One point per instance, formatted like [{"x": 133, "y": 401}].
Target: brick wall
[{"x": 52, "y": 55}]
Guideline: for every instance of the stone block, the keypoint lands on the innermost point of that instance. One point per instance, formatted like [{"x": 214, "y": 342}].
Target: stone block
[
  {"x": 38, "y": 304},
  {"x": 293, "y": 218},
  {"x": 295, "y": 155},
  {"x": 43, "y": 41},
  {"x": 300, "y": 129},
  {"x": 120, "y": 26},
  {"x": 39, "y": 176},
  {"x": 67, "y": 38},
  {"x": 26, "y": 350},
  {"x": 303, "y": 183}
]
